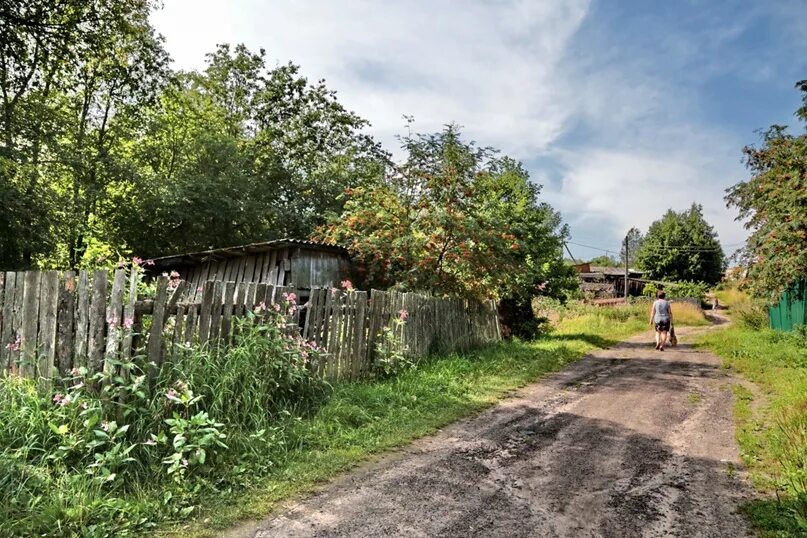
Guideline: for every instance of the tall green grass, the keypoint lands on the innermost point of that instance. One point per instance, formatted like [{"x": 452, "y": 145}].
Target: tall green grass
[
  {"x": 364, "y": 418},
  {"x": 773, "y": 440}
]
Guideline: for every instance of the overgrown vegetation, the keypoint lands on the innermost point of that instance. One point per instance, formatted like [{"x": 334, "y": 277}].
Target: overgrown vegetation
[
  {"x": 682, "y": 246},
  {"x": 118, "y": 454},
  {"x": 115, "y": 453},
  {"x": 772, "y": 431},
  {"x": 774, "y": 204}
]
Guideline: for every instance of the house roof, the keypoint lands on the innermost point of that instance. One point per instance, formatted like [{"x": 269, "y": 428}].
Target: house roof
[
  {"x": 613, "y": 270},
  {"x": 190, "y": 258}
]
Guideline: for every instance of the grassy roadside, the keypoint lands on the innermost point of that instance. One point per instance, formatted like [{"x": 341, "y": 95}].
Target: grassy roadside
[
  {"x": 771, "y": 428},
  {"x": 362, "y": 419}
]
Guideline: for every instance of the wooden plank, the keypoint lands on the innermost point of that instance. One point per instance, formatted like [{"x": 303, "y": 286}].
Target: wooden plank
[
  {"x": 359, "y": 351},
  {"x": 262, "y": 272},
  {"x": 30, "y": 323},
  {"x": 230, "y": 272},
  {"x": 8, "y": 331},
  {"x": 114, "y": 320},
  {"x": 204, "y": 313},
  {"x": 215, "y": 313},
  {"x": 46, "y": 340},
  {"x": 271, "y": 277},
  {"x": 179, "y": 325},
  {"x": 97, "y": 319},
  {"x": 155, "y": 343},
  {"x": 66, "y": 323},
  {"x": 176, "y": 294},
  {"x": 129, "y": 319},
  {"x": 347, "y": 340},
  {"x": 325, "y": 334},
  {"x": 227, "y": 314},
  {"x": 310, "y": 315},
  {"x": 84, "y": 292},
  {"x": 190, "y": 325},
  {"x": 241, "y": 269},
  {"x": 240, "y": 298},
  {"x": 252, "y": 290},
  {"x": 17, "y": 317}
]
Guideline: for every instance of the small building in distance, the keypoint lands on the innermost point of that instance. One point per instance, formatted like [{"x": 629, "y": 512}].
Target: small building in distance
[
  {"x": 608, "y": 282},
  {"x": 282, "y": 262}
]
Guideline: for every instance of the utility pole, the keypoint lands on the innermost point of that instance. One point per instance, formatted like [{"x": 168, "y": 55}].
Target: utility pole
[{"x": 626, "y": 268}]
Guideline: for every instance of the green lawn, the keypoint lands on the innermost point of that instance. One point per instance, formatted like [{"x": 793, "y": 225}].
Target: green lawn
[
  {"x": 771, "y": 425},
  {"x": 362, "y": 419}
]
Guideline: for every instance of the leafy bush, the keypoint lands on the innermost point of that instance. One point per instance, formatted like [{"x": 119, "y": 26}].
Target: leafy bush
[
  {"x": 683, "y": 289},
  {"x": 752, "y": 316},
  {"x": 391, "y": 354},
  {"x": 773, "y": 442},
  {"x": 111, "y": 453}
]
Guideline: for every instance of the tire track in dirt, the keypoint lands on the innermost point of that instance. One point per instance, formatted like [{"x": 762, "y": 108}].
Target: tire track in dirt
[{"x": 626, "y": 442}]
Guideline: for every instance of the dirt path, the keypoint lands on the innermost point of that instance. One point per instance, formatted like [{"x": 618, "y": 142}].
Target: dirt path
[{"x": 626, "y": 442}]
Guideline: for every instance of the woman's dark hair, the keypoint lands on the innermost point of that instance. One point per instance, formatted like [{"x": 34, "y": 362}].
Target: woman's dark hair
[{"x": 661, "y": 295}]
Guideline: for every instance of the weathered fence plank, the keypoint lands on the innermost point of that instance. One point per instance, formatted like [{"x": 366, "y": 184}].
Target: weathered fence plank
[
  {"x": 97, "y": 318},
  {"x": 30, "y": 322},
  {"x": 48, "y": 305},
  {"x": 66, "y": 323},
  {"x": 155, "y": 343},
  {"x": 8, "y": 333}
]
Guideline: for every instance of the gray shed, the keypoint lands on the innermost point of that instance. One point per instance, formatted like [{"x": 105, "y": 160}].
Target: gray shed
[{"x": 282, "y": 262}]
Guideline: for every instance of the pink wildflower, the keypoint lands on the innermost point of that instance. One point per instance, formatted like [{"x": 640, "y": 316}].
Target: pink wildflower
[
  {"x": 174, "y": 274},
  {"x": 137, "y": 261},
  {"x": 121, "y": 264},
  {"x": 276, "y": 307},
  {"x": 127, "y": 323},
  {"x": 403, "y": 315},
  {"x": 75, "y": 372},
  {"x": 83, "y": 405},
  {"x": 14, "y": 346},
  {"x": 347, "y": 285},
  {"x": 171, "y": 394},
  {"x": 112, "y": 321},
  {"x": 57, "y": 398}
]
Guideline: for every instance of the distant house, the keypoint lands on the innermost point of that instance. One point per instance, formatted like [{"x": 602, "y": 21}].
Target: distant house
[
  {"x": 608, "y": 282},
  {"x": 283, "y": 262}
]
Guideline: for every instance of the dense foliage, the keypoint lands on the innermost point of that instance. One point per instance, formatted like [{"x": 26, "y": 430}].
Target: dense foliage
[
  {"x": 635, "y": 239},
  {"x": 774, "y": 202},
  {"x": 454, "y": 219},
  {"x": 104, "y": 150},
  {"x": 111, "y": 454},
  {"x": 682, "y": 246},
  {"x": 604, "y": 261}
]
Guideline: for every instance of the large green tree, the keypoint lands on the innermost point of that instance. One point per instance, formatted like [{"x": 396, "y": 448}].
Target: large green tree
[
  {"x": 682, "y": 246},
  {"x": 74, "y": 76},
  {"x": 773, "y": 203},
  {"x": 454, "y": 219},
  {"x": 240, "y": 153}
]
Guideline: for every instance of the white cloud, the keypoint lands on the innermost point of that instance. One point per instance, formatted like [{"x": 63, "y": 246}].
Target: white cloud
[{"x": 625, "y": 141}]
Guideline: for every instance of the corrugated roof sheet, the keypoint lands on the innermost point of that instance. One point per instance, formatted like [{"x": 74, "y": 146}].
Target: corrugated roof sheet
[{"x": 241, "y": 250}]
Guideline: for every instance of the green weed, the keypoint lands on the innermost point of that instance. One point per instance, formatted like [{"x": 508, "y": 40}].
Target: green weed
[{"x": 773, "y": 442}]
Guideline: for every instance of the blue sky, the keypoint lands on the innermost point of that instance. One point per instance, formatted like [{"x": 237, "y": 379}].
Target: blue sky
[{"x": 621, "y": 109}]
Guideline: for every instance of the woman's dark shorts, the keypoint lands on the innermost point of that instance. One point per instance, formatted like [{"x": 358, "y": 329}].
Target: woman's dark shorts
[{"x": 663, "y": 326}]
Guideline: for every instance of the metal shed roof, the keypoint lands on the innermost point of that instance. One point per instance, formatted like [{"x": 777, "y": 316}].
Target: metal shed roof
[{"x": 190, "y": 258}]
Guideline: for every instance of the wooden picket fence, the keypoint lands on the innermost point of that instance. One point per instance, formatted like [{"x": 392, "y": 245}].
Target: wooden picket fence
[{"x": 52, "y": 322}]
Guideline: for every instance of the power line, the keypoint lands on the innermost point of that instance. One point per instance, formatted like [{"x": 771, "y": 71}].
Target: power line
[{"x": 692, "y": 248}]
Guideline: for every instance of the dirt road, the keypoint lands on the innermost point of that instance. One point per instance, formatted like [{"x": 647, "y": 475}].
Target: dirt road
[{"x": 626, "y": 442}]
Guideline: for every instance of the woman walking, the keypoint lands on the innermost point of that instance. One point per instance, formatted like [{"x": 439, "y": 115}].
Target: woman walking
[{"x": 661, "y": 318}]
